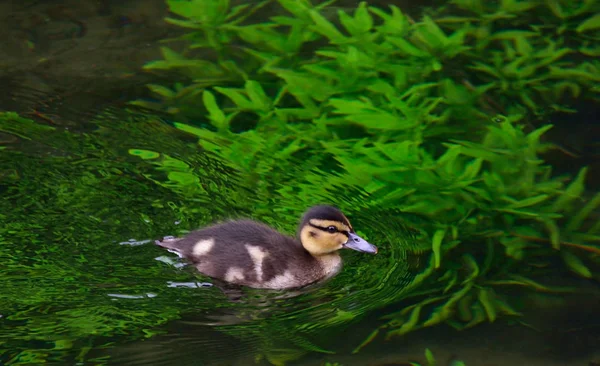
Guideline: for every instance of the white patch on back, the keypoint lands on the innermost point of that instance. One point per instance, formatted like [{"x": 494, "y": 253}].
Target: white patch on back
[
  {"x": 284, "y": 280},
  {"x": 257, "y": 254},
  {"x": 203, "y": 247},
  {"x": 234, "y": 274}
]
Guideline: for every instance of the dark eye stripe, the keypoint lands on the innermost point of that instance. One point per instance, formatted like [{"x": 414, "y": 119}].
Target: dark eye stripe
[{"x": 325, "y": 229}]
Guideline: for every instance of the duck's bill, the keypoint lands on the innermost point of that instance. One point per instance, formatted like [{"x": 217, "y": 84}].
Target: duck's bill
[{"x": 359, "y": 244}]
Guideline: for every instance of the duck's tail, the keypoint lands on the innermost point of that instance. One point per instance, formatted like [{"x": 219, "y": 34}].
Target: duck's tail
[{"x": 169, "y": 243}]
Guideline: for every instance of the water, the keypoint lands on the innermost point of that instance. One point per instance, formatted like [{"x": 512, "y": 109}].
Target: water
[
  {"x": 81, "y": 261},
  {"x": 88, "y": 185}
]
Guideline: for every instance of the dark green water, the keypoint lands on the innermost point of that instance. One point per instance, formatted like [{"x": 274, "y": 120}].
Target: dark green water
[
  {"x": 80, "y": 212},
  {"x": 83, "y": 283}
]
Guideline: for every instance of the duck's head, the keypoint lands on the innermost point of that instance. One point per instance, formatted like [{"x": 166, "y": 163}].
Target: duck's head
[{"x": 325, "y": 229}]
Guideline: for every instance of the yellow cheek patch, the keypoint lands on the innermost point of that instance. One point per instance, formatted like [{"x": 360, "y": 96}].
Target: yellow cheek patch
[
  {"x": 326, "y": 223},
  {"x": 320, "y": 242}
]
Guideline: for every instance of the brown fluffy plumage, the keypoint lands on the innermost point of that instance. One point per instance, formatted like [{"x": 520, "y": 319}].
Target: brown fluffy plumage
[{"x": 249, "y": 253}]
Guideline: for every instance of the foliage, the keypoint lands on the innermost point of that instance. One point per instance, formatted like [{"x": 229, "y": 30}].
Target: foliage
[
  {"x": 419, "y": 129},
  {"x": 427, "y": 117},
  {"x": 537, "y": 53},
  {"x": 499, "y": 56}
]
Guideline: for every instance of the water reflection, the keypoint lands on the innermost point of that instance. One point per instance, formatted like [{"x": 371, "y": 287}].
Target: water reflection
[
  {"x": 91, "y": 285},
  {"x": 77, "y": 288}
]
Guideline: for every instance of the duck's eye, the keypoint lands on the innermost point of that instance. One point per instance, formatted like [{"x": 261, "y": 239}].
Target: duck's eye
[{"x": 332, "y": 229}]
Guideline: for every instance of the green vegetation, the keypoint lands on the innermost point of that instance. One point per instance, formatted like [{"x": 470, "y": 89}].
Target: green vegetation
[
  {"x": 430, "y": 117},
  {"x": 427, "y": 132}
]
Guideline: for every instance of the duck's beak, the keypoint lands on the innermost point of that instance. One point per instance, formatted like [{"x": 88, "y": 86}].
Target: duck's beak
[{"x": 359, "y": 244}]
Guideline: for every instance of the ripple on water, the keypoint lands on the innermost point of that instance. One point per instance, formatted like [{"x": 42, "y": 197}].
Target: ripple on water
[
  {"x": 89, "y": 282},
  {"x": 249, "y": 323}
]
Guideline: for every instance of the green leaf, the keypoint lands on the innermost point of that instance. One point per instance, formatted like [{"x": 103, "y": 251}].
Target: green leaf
[
  {"x": 448, "y": 161},
  {"x": 463, "y": 308},
  {"x": 407, "y": 47},
  {"x": 170, "y": 55},
  {"x": 453, "y": 280},
  {"x": 554, "y": 233},
  {"x": 241, "y": 10},
  {"x": 531, "y": 201},
  {"x": 349, "y": 23},
  {"x": 514, "y": 6},
  {"x": 512, "y": 34},
  {"x": 363, "y": 113},
  {"x": 236, "y": 97},
  {"x": 516, "y": 280},
  {"x": 320, "y": 70},
  {"x": 479, "y": 315},
  {"x": 200, "y": 132},
  {"x": 258, "y": 96},
  {"x": 409, "y": 325},
  {"x": 436, "y": 245},
  {"x": 591, "y": 23},
  {"x": 575, "y": 264},
  {"x": 430, "y": 358},
  {"x": 505, "y": 308},
  {"x": 434, "y": 36},
  {"x": 144, "y": 154},
  {"x": 485, "y": 297},
  {"x": 161, "y": 90},
  {"x": 556, "y": 8},
  {"x": 533, "y": 138},
  {"x": 305, "y": 87},
  {"x": 397, "y": 195},
  {"x": 396, "y": 24},
  {"x": 583, "y": 213},
  {"x": 184, "y": 23},
  {"x": 443, "y": 313},
  {"x": 492, "y": 71},
  {"x": 368, "y": 340},
  {"x": 572, "y": 192},
  {"x": 183, "y": 178},
  {"x": 326, "y": 28},
  {"x": 471, "y": 169},
  {"x": 216, "y": 115},
  {"x": 295, "y": 7},
  {"x": 351, "y": 106},
  {"x": 472, "y": 265},
  {"x": 363, "y": 18}
]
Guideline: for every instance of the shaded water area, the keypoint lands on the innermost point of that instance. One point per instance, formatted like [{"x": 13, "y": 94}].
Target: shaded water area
[{"x": 88, "y": 182}]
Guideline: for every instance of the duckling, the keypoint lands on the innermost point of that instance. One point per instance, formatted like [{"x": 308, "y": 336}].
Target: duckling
[{"x": 249, "y": 253}]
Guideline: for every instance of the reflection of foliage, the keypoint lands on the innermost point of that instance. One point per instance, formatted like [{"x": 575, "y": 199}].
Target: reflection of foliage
[
  {"x": 62, "y": 218},
  {"x": 431, "y": 361},
  {"x": 70, "y": 289},
  {"x": 426, "y": 117}
]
